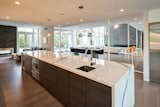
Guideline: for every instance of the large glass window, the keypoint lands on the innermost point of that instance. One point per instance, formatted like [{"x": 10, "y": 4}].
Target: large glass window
[
  {"x": 62, "y": 40},
  {"x": 28, "y": 38},
  {"x": 21, "y": 40},
  {"x": 57, "y": 36},
  {"x": 98, "y": 36},
  {"x": 86, "y": 37},
  {"x": 91, "y": 37}
]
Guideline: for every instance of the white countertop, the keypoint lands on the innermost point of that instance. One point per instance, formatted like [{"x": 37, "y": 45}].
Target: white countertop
[{"x": 107, "y": 73}]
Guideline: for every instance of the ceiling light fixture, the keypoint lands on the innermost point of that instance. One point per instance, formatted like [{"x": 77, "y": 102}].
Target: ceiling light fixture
[
  {"x": 81, "y": 20},
  {"x": 121, "y": 10},
  {"x": 17, "y": 3},
  {"x": 7, "y": 17},
  {"x": 116, "y": 26}
]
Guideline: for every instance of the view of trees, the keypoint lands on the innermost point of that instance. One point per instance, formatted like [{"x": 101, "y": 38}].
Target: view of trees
[{"x": 21, "y": 40}]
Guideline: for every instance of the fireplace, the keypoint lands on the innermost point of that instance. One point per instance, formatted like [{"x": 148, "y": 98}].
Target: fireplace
[{"x": 4, "y": 51}]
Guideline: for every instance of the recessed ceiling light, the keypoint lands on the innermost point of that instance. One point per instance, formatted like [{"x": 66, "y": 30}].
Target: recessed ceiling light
[
  {"x": 81, "y": 20},
  {"x": 116, "y": 26},
  {"x": 121, "y": 10},
  {"x": 7, "y": 17},
  {"x": 17, "y": 3}
]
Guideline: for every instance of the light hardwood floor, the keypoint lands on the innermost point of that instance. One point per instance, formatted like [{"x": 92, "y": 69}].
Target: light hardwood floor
[{"x": 18, "y": 89}]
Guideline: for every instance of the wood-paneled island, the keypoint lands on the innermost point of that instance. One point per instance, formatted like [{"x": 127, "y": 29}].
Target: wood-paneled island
[{"x": 110, "y": 84}]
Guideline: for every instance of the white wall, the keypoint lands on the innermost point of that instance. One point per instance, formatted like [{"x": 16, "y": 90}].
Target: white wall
[
  {"x": 47, "y": 37},
  {"x": 146, "y": 49},
  {"x": 154, "y": 15}
]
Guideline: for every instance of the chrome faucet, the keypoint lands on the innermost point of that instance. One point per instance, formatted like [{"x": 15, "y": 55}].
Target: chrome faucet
[{"x": 91, "y": 58}]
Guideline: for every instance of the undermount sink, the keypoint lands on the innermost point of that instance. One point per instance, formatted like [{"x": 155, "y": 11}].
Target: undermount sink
[{"x": 86, "y": 68}]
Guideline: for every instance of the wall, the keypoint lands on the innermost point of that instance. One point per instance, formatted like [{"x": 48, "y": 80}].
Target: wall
[
  {"x": 154, "y": 16},
  {"x": 8, "y": 37},
  {"x": 146, "y": 66}
]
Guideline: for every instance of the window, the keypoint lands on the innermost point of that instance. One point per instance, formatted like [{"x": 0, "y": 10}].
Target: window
[
  {"x": 98, "y": 36},
  {"x": 27, "y": 38},
  {"x": 91, "y": 37},
  {"x": 57, "y": 41},
  {"x": 62, "y": 40},
  {"x": 21, "y": 40},
  {"x": 86, "y": 37}
]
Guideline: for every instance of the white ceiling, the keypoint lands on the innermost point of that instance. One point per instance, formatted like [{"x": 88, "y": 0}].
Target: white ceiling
[
  {"x": 39, "y": 11},
  {"x": 18, "y": 24},
  {"x": 135, "y": 21}
]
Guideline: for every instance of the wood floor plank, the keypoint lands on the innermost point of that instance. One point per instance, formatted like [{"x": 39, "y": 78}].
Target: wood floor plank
[{"x": 18, "y": 89}]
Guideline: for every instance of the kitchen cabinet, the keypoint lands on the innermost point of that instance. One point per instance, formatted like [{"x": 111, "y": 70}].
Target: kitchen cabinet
[
  {"x": 70, "y": 89},
  {"x": 77, "y": 91},
  {"x": 63, "y": 86},
  {"x": 97, "y": 95},
  {"x": 48, "y": 77},
  {"x": 27, "y": 64}
]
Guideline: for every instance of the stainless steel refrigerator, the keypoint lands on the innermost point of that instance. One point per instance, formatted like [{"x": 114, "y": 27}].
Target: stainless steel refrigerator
[{"x": 154, "y": 31}]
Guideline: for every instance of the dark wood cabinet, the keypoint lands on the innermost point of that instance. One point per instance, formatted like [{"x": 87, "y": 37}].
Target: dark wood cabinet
[
  {"x": 97, "y": 95},
  {"x": 27, "y": 64},
  {"x": 63, "y": 86},
  {"x": 48, "y": 77},
  {"x": 77, "y": 91},
  {"x": 71, "y": 89}
]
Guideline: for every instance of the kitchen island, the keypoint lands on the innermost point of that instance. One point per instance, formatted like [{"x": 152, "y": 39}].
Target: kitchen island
[{"x": 110, "y": 84}]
